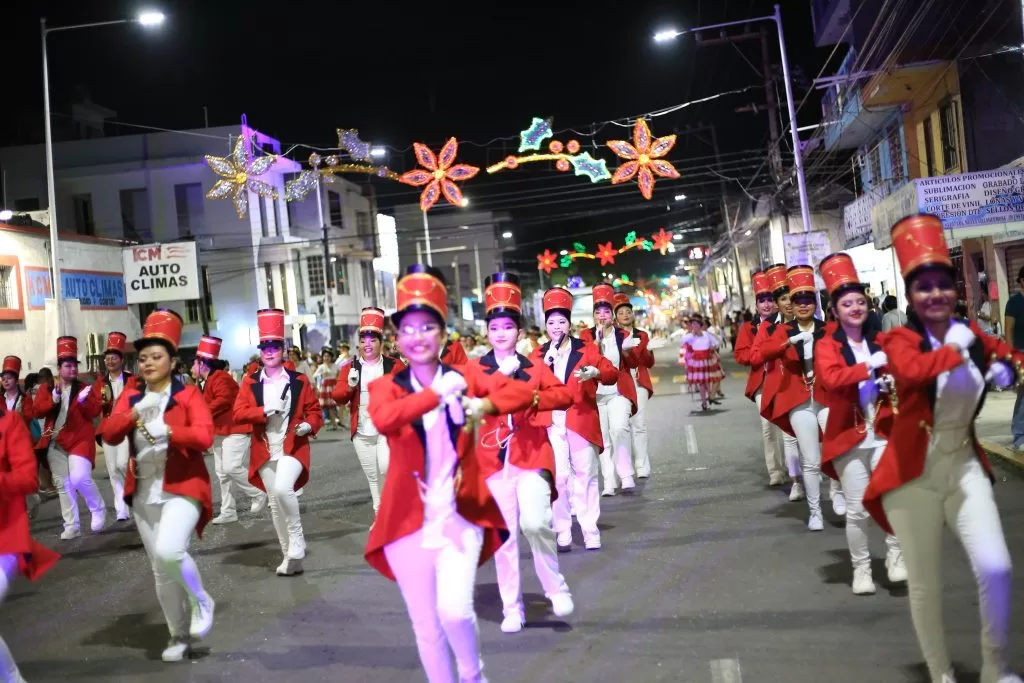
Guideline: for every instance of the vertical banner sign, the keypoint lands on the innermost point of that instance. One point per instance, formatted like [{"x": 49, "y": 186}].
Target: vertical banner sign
[{"x": 161, "y": 272}]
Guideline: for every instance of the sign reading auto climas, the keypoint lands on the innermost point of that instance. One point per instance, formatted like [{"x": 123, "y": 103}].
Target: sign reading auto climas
[{"x": 161, "y": 272}]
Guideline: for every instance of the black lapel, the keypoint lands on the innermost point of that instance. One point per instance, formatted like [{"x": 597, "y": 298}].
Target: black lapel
[
  {"x": 403, "y": 378},
  {"x": 524, "y": 362},
  {"x": 257, "y": 388},
  {"x": 389, "y": 364},
  {"x": 296, "y": 386},
  {"x": 176, "y": 386},
  {"x": 844, "y": 346},
  {"x": 575, "y": 354},
  {"x": 489, "y": 362}
]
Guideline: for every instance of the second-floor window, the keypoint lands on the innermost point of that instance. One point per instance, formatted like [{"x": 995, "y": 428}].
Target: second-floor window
[
  {"x": 895, "y": 140},
  {"x": 135, "y": 214},
  {"x": 334, "y": 208},
  {"x": 192, "y": 310},
  {"x": 84, "y": 224},
  {"x": 189, "y": 206},
  {"x": 268, "y": 273},
  {"x": 363, "y": 223},
  {"x": 315, "y": 275},
  {"x": 949, "y": 129},
  {"x": 341, "y": 275},
  {"x": 929, "y": 148}
]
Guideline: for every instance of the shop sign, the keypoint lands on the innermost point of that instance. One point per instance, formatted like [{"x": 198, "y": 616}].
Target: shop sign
[
  {"x": 857, "y": 218},
  {"x": 885, "y": 214},
  {"x": 806, "y": 248},
  {"x": 979, "y": 198},
  {"x": 161, "y": 272},
  {"x": 95, "y": 290}
]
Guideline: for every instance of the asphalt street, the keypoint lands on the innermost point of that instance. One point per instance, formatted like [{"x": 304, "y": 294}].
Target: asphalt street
[{"x": 706, "y": 575}]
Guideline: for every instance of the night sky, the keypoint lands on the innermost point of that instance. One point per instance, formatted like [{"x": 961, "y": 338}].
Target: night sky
[{"x": 405, "y": 72}]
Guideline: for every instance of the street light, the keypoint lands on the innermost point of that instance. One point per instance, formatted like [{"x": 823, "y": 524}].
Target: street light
[
  {"x": 378, "y": 152},
  {"x": 670, "y": 34},
  {"x": 680, "y": 197},
  {"x": 6, "y": 215},
  {"x": 148, "y": 19},
  {"x": 507, "y": 234}
]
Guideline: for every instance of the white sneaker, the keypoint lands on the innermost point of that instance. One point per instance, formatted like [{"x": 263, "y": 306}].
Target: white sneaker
[
  {"x": 839, "y": 503},
  {"x": 176, "y": 650},
  {"x": 797, "y": 492},
  {"x": 562, "y": 605},
  {"x": 259, "y": 504},
  {"x": 202, "y": 616},
  {"x": 628, "y": 484},
  {"x": 290, "y": 567},
  {"x": 512, "y": 623},
  {"x": 948, "y": 677},
  {"x": 70, "y": 534},
  {"x": 863, "y": 584},
  {"x": 564, "y": 541},
  {"x": 224, "y": 519},
  {"x": 776, "y": 479},
  {"x": 298, "y": 494},
  {"x": 608, "y": 492},
  {"x": 815, "y": 523},
  {"x": 98, "y": 522},
  {"x": 895, "y": 567},
  {"x": 643, "y": 474},
  {"x": 592, "y": 541}
]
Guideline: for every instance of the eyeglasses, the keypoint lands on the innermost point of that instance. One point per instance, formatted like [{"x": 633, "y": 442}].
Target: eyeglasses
[{"x": 424, "y": 330}]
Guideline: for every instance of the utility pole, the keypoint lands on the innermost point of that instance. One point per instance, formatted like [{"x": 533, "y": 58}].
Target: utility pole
[{"x": 327, "y": 256}]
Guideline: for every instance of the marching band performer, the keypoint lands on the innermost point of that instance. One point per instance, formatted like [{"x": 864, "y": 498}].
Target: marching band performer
[
  {"x": 849, "y": 364},
  {"x": 798, "y": 407},
  {"x": 642, "y": 383},
  {"x": 17, "y": 401},
  {"x": 933, "y": 472},
  {"x": 616, "y": 403},
  {"x": 766, "y": 311},
  {"x": 575, "y": 434},
  {"x": 19, "y": 554},
  {"x": 168, "y": 427},
  {"x": 437, "y": 521},
  {"x": 69, "y": 440},
  {"x": 112, "y": 384},
  {"x": 519, "y": 465},
  {"x": 284, "y": 413},
  {"x": 231, "y": 439},
  {"x": 353, "y": 388}
]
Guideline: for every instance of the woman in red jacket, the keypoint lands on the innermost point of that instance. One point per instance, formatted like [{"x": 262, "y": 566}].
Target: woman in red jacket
[
  {"x": 169, "y": 427},
  {"x": 849, "y": 364},
  {"x": 933, "y": 472},
  {"x": 517, "y": 460},
  {"x": 437, "y": 519},
  {"x": 231, "y": 440},
  {"x": 19, "y": 554},
  {"x": 575, "y": 434}
]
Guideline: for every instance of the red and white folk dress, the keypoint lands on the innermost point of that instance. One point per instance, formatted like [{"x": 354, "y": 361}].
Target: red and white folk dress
[{"x": 701, "y": 356}]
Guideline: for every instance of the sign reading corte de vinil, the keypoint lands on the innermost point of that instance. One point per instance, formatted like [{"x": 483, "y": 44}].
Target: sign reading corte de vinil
[{"x": 161, "y": 272}]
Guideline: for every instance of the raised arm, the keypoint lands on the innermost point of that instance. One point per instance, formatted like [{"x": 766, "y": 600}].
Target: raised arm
[
  {"x": 910, "y": 366},
  {"x": 552, "y": 395},
  {"x": 246, "y": 411},
  {"x": 831, "y": 370},
  {"x": 390, "y": 412},
  {"x": 343, "y": 393},
  {"x": 196, "y": 436},
  {"x": 119, "y": 424},
  {"x": 19, "y": 478}
]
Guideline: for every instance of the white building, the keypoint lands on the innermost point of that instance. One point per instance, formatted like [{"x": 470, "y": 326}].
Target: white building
[{"x": 152, "y": 187}]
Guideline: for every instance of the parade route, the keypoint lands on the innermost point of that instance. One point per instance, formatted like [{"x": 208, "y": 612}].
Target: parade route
[{"x": 706, "y": 575}]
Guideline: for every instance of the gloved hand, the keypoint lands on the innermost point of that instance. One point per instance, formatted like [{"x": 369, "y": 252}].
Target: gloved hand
[
  {"x": 473, "y": 406},
  {"x": 157, "y": 429},
  {"x": 84, "y": 394},
  {"x": 630, "y": 342},
  {"x": 587, "y": 372},
  {"x": 960, "y": 336},
  {"x": 353, "y": 377},
  {"x": 549, "y": 357},
  {"x": 1000, "y": 375},
  {"x": 867, "y": 392},
  {"x": 55, "y": 394},
  {"x": 885, "y": 384},
  {"x": 302, "y": 429},
  {"x": 450, "y": 384},
  {"x": 509, "y": 365},
  {"x": 150, "y": 399},
  {"x": 805, "y": 337},
  {"x": 877, "y": 360}
]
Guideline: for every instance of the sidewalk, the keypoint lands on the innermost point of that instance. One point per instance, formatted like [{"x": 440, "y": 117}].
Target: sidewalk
[{"x": 993, "y": 427}]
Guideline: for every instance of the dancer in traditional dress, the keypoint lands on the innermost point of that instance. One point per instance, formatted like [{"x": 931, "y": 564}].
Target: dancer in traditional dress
[
  {"x": 933, "y": 472},
  {"x": 168, "y": 427},
  {"x": 326, "y": 378},
  {"x": 703, "y": 370},
  {"x": 642, "y": 383},
  {"x": 111, "y": 384}
]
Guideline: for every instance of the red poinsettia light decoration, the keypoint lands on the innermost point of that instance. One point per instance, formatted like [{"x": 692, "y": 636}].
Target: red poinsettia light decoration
[
  {"x": 606, "y": 252},
  {"x": 662, "y": 241},
  {"x": 546, "y": 261}
]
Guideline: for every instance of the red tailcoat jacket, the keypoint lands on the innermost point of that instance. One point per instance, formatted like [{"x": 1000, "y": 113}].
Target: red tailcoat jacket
[
  {"x": 772, "y": 369},
  {"x": 628, "y": 360},
  {"x": 23, "y": 406},
  {"x": 529, "y": 447},
  {"x": 343, "y": 393},
  {"x": 220, "y": 391},
  {"x": 397, "y": 411},
  {"x": 77, "y": 436},
  {"x": 742, "y": 351},
  {"x": 454, "y": 354},
  {"x": 582, "y": 417},
  {"x": 191, "y": 434},
  {"x": 916, "y": 366},
  {"x": 839, "y": 374},
  {"x": 17, "y": 480},
  {"x": 304, "y": 408},
  {"x": 793, "y": 389},
  {"x": 645, "y": 361}
]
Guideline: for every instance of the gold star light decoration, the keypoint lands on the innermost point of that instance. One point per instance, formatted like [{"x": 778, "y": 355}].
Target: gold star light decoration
[
  {"x": 643, "y": 159},
  {"x": 239, "y": 176}
]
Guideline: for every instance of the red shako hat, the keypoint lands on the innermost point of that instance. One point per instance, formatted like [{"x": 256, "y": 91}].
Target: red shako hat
[
  {"x": 209, "y": 347},
  {"x": 558, "y": 299},
  {"x": 162, "y": 325},
  {"x": 12, "y": 364},
  {"x": 621, "y": 299},
  {"x": 117, "y": 342},
  {"x": 270, "y": 322},
  {"x": 800, "y": 280},
  {"x": 67, "y": 349},
  {"x": 777, "y": 277},
  {"x": 919, "y": 241},
  {"x": 761, "y": 283},
  {"x": 422, "y": 288},
  {"x": 838, "y": 270},
  {"x": 502, "y": 295},
  {"x": 371, "y": 319},
  {"x": 603, "y": 293}
]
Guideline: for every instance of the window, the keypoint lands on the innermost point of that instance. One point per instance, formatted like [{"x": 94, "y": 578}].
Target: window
[
  {"x": 12, "y": 306},
  {"x": 895, "y": 139},
  {"x": 192, "y": 310},
  {"x": 334, "y": 207},
  {"x": 145, "y": 309},
  {"x": 135, "y": 215},
  {"x": 82, "y": 204},
  {"x": 949, "y": 128},
  {"x": 367, "y": 270},
  {"x": 341, "y": 274},
  {"x": 268, "y": 273},
  {"x": 875, "y": 166},
  {"x": 188, "y": 202},
  {"x": 315, "y": 275},
  {"x": 276, "y": 211},
  {"x": 8, "y": 297},
  {"x": 264, "y": 226},
  {"x": 27, "y": 204},
  {"x": 289, "y": 206},
  {"x": 283, "y": 272},
  {"x": 929, "y": 148},
  {"x": 363, "y": 224},
  {"x": 300, "y": 291}
]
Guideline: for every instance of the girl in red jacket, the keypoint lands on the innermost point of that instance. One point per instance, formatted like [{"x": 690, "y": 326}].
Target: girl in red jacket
[
  {"x": 850, "y": 365},
  {"x": 933, "y": 472},
  {"x": 168, "y": 427}
]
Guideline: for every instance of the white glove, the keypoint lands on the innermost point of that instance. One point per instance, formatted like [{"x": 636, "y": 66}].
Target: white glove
[
  {"x": 868, "y": 392},
  {"x": 473, "y": 407},
  {"x": 450, "y": 384},
  {"x": 56, "y": 395},
  {"x": 509, "y": 365},
  {"x": 150, "y": 399},
  {"x": 960, "y": 336},
  {"x": 84, "y": 394},
  {"x": 1000, "y": 375},
  {"x": 157, "y": 429},
  {"x": 630, "y": 343},
  {"x": 353, "y": 377},
  {"x": 587, "y": 372},
  {"x": 302, "y": 429},
  {"x": 877, "y": 360},
  {"x": 805, "y": 337}
]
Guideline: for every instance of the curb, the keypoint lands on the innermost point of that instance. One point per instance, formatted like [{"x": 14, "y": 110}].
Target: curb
[{"x": 1005, "y": 455}]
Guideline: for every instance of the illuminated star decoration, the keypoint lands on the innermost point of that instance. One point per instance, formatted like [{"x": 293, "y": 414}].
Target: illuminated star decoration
[
  {"x": 440, "y": 175},
  {"x": 565, "y": 156},
  {"x": 348, "y": 140},
  {"x": 298, "y": 189},
  {"x": 238, "y": 176},
  {"x": 546, "y": 261},
  {"x": 662, "y": 241},
  {"x": 538, "y": 132},
  {"x": 643, "y": 158}
]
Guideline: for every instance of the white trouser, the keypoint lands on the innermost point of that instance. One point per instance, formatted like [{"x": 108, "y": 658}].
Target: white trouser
[
  {"x": 769, "y": 438},
  {"x": 279, "y": 477},
  {"x": 231, "y": 464},
  {"x": 8, "y": 667},
  {"x": 72, "y": 475},
  {"x": 953, "y": 490},
  {"x": 374, "y": 456},
  {"x": 575, "y": 457},
  {"x": 524, "y": 497},
  {"x": 116, "y": 459},
  {"x": 791, "y": 453},
  {"x": 614, "y": 410},
  {"x": 854, "y": 468},
  {"x": 806, "y": 419},
  {"x": 437, "y": 586},
  {"x": 638, "y": 427},
  {"x": 166, "y": 529}
]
